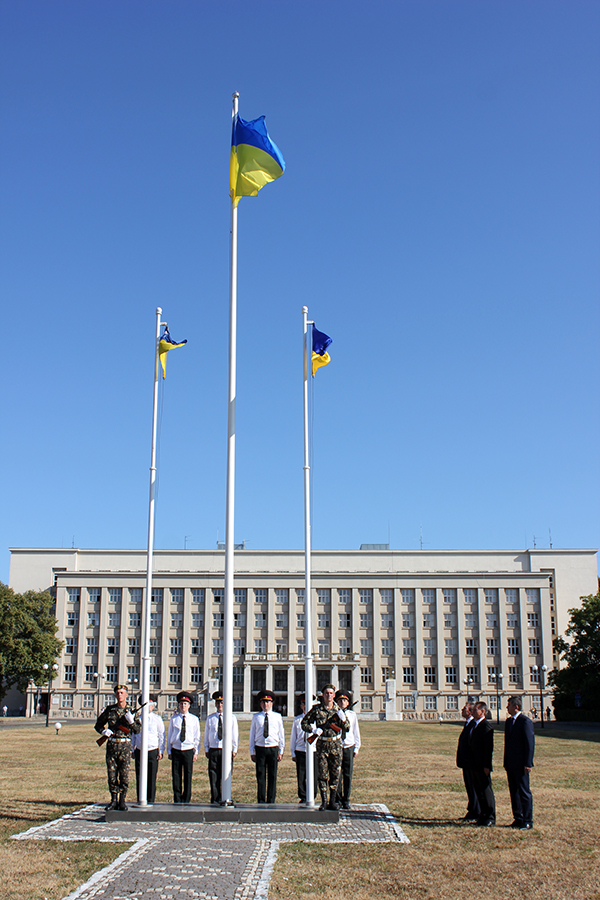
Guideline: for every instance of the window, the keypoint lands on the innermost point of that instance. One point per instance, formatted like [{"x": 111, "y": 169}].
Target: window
[
  {"x": 133, "y": 674},
  {"x": 239, "y": 646},
  {"x": 175, "y": 648},
  {"x": 533, "y": 620},
  {"x": 428, "y": 620},
  {"x": 198, "y": 595},
  {"x": 260, "y": 645},
  {"x": 534, "y": 647},
  {"x": 345, "y": 646},
  {"x": 387, "y": 620},
  {"x": 408, "y": 595},
  {"x": 512, "y": 595},
  {"x": 492, "y": 670},
  {"x": 300, "y": 648},
  {"x": 300, "y": 620},
  {"x": 470, "y": 595},
  {"x": 449, "y": 595},
  {"x": 260, "y": 595},
  {"x": 300, "y": 595},
  {"x": 387, "y": 647},
  {"x": 533, "y": 595},
  {"x": 323, "y": 620},
  {"x": 449, "y": 620},
  {"x": 114, "y": 619},
  {"x": 449, "y": 646},
  {"x": 134, "y": 646},
  {"x": 451, "y": 702},
  {"x": 366, "y": 647},
  {"x": 430, "y": 703},
  {"x": 238, "y": 674},
  {"x": 408, "y": 674},
  {"x": 513, "y": 647},
  {"x": 430, "y": 676},
  {"x": 111, "y": 674},
  {"x": 218, "y": 595},
  {"x": 196, "y": 649},
  {"x": 67, "y": 701},
  {"x": 491, "y": 620},
  {"x": 492, "y": 646},
  {"x": 87, "y": 701},
  {"x": 112, "y": 645},
  {"x": 94, "y": 594},
  {"x": 154, "y": 646},
  {"x": 514, "y": 674},
  {"x": 366, "y": 703},
  {"x": 344, "y": 595},
  {"x": 176, "y": 619},
  {"x": 174, "y": 674},
  {"x": 239, "y": 620},
  {"x": 171, "y": 701},
  {"x": 408, "y": 702},
  {"x": 386, "y": 673},
  {"x": 73, "y": 594},
  {"x": 366, "y": 620},
  {"x": 494, "y": 704},
  {"x": 177, "y": 595},
  {"x": 323, "y": 595},
  {"x": 219, "y": 618},
  {"x": 534, "y": 677},
  {"x": 70, "y": 673},
  {"x": 134, "y": 620},
  {"x": 135, "y": 595},
  {"x": 239, "y": 595},
  {"x": 282, "y": 595},
  {"x": 281, "y": 649},
  {"x": 366, "y": 675},
  {"x": 512, "y": 620},
  {"x": 71, "y": 645},
  {"x": 428, "y": 595},
  {"x": 72, "y": 618},
  {"x": 195, "y": 674},
  {"x": 408, "y": 647},
  {"x": 114, "y": 595},
  {"x": 154, "y": 674},
  {"x": 408, "y": 620},
  {"x": 93, "y": 619},
  {"x": 451, "y": 675},
  {"x": 473, "y": 674},
  {"x": 217, "y": 646},
  {"x": 155, "y": 619},
  {"x": 429, "y": 647},
  {"x": 491, "y": 595},
  {"x": 198, "y": 620},
  {"x": 89, "y": 673},
  {"x": 260, "y": 620},
  {"x": 471, "y": 649},
  {"x": 344, "y": 620},
  {"x": 470, "y": 620},
  {"x": 365, "y": 595}
]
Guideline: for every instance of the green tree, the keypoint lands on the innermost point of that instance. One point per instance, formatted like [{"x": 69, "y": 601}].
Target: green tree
[
  {"x": 581, "y": 675},
  {"x": 27, "y": 637}
]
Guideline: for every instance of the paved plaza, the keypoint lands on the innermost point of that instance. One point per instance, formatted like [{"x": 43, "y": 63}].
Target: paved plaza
[{"x": 222, "y": 861}]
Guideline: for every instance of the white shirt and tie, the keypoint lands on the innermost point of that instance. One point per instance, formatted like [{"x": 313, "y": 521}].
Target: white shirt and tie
[
  {"x": 191, "y": 733},
  {"x": 212, "y": 741}
]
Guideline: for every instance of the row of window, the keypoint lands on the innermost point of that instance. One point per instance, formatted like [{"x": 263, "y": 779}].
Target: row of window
[{"x": 472, "y": 672}]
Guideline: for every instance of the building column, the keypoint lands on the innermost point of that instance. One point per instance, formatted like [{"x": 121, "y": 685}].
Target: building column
[
  {"x": 291, "y": 699},
  {"x": 356, "y": 682},
  {"x": 247, "y": 688},
  {"x": 269, "y": 677}
]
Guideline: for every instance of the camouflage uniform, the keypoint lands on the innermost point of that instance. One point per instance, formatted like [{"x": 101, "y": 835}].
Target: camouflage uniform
[
  {"x": 118, "y": 747},
  {"x": 329, "y": 746}
]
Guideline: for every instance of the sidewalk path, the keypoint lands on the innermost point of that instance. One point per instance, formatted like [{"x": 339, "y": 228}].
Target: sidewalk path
[{"x": 186, "y": 861}]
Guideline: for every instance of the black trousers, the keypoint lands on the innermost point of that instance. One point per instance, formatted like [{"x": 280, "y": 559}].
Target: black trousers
[
  {"x": 215, "y": 762},
  {"x": 300, "y": 761},
  {"x": 152, "y": 772},
  {"x": 182, "y": 765},
  {"x": 345, "y": 783},
  {"x": 266, "y": 773},
  {"x": 485, "y": 794},
  {"x": 520, "y": 795},
  {"x": 472, "y": 801}
]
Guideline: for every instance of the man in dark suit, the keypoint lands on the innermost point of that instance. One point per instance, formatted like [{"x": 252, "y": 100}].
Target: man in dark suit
[
  {"x": 519, "y": 743},
  {"x": 481, "y": 748},
  {"x": 463, "y": 761}
]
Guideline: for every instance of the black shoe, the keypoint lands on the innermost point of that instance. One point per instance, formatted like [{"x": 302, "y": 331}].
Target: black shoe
[
  {"x": 470, "y": 819},
  {"x": 114, "y": 802},
  {"x": 516, "y": 824},
  {"x": 346, "y": 805},
  {"x": 122, "y": 805},
  {"x": 486, "y": 823},
  {"x": 333, "y": 804},
  {"x": 525, "y": 826}
]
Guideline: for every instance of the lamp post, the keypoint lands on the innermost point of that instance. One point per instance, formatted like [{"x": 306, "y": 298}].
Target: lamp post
[
  {"x": 496, "y": 678},
  {"x": 468, "y": 681},
  {"x": 98, "y": 676},
  {"x": 542, "y": 673},
  {"x": 51, "y": 670}
]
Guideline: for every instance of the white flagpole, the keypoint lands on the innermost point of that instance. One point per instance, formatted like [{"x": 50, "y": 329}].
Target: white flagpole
[
  {"x": 145, "y": 654},
  {"x": 308, "y": 664},
  {"x": 229, "y": 517}
]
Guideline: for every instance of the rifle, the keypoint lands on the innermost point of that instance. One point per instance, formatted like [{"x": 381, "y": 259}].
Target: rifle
[
  {"x": 330, "y": 723},
  {"x": 122, "y": 726}
]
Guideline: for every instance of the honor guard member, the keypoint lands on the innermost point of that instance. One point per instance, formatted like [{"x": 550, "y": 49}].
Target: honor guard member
[
  {"x": 299, "y": 750},
  {"x": 350, "y": 746},
  {"x": 116, "y": 723},
  {"x": 327, "y": 722},
  {"x": 213, "y": 745},
  {"x": 267, "y": 743},
  {"x": 156, "y": 748},
  {"x": 183, "y": 744}
]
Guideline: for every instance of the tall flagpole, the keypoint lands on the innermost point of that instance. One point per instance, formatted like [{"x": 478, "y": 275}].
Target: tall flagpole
[
  {"x": 308, "y": 664},
  {"x": 147, "y": 604},
  {"x": 229, "y": 517}
]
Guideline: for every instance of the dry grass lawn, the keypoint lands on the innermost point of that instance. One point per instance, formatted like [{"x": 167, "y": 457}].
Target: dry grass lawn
[{"x": 410, "y": 767}]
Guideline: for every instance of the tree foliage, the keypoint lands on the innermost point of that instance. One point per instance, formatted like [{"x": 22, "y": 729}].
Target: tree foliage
[
  {"x": 581, "y": 676},
  {"x": 27, "y": 637}
]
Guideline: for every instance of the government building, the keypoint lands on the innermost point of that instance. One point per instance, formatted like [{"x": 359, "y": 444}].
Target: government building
[{"x": 410, "y": 633}]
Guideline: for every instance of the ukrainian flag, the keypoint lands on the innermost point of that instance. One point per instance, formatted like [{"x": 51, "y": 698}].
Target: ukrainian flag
[
  {"x": 255, "y": 160},
  {"x": 165, "y": 344},
  {"x": 320, "y": 343}
]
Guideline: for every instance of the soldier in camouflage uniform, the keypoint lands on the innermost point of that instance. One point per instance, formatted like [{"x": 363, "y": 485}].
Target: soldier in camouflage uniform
[
  {"x": 110, "y": 723},
  {"x": 329, "y": 723}
]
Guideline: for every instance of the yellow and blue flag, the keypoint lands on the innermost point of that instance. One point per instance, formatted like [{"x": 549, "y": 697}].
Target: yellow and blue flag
[
  {"x": 255, "y": 159},
  {"x": 320, "y": 343},
  {"x": 165, "y": 344}
]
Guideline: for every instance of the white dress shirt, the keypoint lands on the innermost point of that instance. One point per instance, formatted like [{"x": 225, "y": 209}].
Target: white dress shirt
[
  {"x": 156, "y": 735},
  {"x": 211, "y": 733},
  {"x": 352, "y": 737},
  {"x": 192, "y": 733},
  {"x": 276, "y": 736},
  {"x": 298, "y": 738}
]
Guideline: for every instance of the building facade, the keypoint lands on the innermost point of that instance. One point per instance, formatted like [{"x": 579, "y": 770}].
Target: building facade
[{"x": 411, "y": 633}]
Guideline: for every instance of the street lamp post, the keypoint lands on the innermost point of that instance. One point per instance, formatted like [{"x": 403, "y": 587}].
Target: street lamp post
[
  {"x": 98, "y": 676},
  {"x": 542, "y": 673},
  {"x": 51, "y": 670},
  {"x": 497, "y": 678},
  {"x": 468, "y": 681}
]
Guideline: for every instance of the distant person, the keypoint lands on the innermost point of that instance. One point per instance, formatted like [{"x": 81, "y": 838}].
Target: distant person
[
  {"x": 213, "y": 746},
  {"x": 350, "y": 747},
  {"x": 156, "y": 748},
  {"x": 183, "y": 744},
  {"x": 463, "y": 761},
  {"x": 5, "y": 711},
  {"x": 548, "y": 713},
  {"x": 267, "y": 743},
  {"x": 519, "y": 745},
  {"x": 481, "y": 749},
  {"x": 116, "y": 723}
]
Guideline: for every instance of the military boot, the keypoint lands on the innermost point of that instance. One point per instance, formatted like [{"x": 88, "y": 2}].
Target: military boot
[
  {"x": 333, "y": 804},
  {"x": 323, "y": 800},
  {"x": 122, "y": 805},
  {"x": 114, "y": 802}
]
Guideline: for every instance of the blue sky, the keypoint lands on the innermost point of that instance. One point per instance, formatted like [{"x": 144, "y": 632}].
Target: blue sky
[{"x": 439, "y": 215}]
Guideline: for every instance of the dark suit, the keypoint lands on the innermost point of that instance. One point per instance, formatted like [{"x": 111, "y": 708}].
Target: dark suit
[
  {"x": 519, "y": 743},
  {"x": 481, "y": 748},
  {"x": 463, "y": 761}
]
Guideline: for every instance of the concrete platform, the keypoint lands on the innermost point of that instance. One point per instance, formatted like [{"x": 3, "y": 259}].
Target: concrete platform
[{"x": 242, "y": 813}]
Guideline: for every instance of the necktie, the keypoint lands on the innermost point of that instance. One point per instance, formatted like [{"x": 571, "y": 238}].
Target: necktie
[
  {"x": 182, "y": 732},
  {"x": 266, "y": 727},
  {"x": 220, "y": 728}
]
